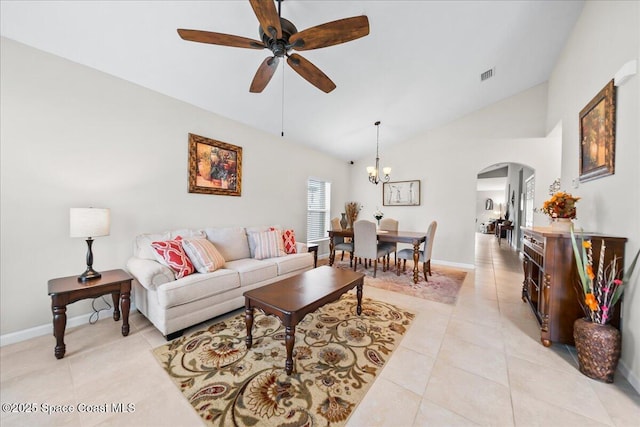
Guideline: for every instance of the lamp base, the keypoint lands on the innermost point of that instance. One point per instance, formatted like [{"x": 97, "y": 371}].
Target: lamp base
[{"x": 88, "y": 275}]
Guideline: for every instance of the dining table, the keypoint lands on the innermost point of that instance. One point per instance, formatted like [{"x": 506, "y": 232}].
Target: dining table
[{"x": 415, "y": 238}]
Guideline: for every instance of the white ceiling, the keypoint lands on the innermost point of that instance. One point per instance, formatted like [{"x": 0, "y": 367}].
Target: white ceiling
[{"x": 419, "y": 68}]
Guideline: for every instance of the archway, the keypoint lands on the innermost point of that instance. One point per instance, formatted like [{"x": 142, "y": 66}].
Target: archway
[{"x": 505, "y": 192}]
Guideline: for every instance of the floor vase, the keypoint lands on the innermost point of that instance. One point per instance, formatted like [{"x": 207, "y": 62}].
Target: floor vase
[{"x": 598, "y": 347}]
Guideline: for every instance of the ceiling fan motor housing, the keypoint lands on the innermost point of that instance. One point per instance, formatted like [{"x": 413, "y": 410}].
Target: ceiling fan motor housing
[{"x": 279, "y": 47}]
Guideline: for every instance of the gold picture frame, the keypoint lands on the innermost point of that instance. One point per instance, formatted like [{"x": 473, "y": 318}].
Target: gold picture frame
[
  {"x": 597, "y": 135},
  {"x": 215, "y": 167}
]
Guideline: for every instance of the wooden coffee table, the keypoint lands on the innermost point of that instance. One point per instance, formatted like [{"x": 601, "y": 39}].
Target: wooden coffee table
[{"x": 293, "y": 298}]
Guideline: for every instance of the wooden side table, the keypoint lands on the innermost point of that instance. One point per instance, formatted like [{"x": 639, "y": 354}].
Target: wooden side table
[
  {"x": 67, "y": 290},
  {"x": 313, "y": 247}
]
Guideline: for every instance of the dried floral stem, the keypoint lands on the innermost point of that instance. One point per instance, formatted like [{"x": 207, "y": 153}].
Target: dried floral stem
[{"x": 352, "y": 210}]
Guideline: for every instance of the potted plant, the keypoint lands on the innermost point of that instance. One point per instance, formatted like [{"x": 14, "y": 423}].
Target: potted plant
[
  {"x": 561, "y": 208},
  {"x": 598, "y": 343}
]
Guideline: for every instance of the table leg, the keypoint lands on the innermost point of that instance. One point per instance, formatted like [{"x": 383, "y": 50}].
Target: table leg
[
  {"x": 248, "y": 319},
  {"x": 125, "y": 304},
  {"x": 359, "y": 296},
  {"x": 289, "y": 340},
  {"x": 116, "y": 305},
  {"x": 59, "y": 324},
  {"x": 416, "y": 258},
  {"x": 332, "y": 253}
]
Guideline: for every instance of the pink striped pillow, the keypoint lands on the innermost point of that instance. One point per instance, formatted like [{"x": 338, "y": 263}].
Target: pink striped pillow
[
  {"x": 268, "y": 244},
  {"x": 203, "y": 254}
]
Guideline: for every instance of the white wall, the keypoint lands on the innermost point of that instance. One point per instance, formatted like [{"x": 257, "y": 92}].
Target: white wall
[
  {"x": 75, "y": 137},
  {"x": 606, "y": 36},
  {"x": 447, "y": 160}
]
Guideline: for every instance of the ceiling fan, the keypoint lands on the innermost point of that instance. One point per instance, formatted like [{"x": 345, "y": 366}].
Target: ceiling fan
[{"x": 281, "y": 36}]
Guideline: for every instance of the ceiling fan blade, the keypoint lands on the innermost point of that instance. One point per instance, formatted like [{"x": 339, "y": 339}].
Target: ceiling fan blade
[
  {"x": 264, "y": 74},
  {"x": 311, "y": 73},
  {"x": 267, "y": 15},
  {"x": 219, "y": 39},
  {"x": 331, "y": 33}
]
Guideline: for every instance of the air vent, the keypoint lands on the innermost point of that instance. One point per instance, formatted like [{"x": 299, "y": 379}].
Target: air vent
[{"x": 487, "y": 74}]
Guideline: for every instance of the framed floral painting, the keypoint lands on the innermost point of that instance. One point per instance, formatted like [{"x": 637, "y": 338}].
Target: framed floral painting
[
  {"x": 215, "y": 167},
  {"x": 597, "y": 135}
]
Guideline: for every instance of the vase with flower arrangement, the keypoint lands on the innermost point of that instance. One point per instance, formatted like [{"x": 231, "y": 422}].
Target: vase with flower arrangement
[
  {"x": 352, "y": 210},
  {"x": 561, "y": 208},
  {"x": 378, "y": 215},
  {"x": 598, "y": 344}
]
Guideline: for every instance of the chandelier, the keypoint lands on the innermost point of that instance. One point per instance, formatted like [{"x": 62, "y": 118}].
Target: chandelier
[{"x": 374, "y": 171}]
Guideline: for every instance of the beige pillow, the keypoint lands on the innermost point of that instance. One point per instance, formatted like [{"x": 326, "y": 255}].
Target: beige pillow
[{"x": 203, "y": 254}]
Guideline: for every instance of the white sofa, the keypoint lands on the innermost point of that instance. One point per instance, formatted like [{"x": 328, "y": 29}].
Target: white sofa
[{"x": 175, "y": 304}]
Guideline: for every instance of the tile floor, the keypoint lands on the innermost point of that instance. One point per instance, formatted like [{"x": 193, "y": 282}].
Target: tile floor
[{"x": 479, "y": 362}]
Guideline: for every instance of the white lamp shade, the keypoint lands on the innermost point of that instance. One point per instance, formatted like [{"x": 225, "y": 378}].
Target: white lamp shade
[
  {"x": 89, "y": 222},
  {"x": 370, "y": 170},
  {"x": 386, "y": 170}
]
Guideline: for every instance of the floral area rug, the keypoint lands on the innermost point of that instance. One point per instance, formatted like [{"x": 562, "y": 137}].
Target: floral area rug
[
  {"x": 337, "y": 355},
  {"x": 443, "y": 286}
]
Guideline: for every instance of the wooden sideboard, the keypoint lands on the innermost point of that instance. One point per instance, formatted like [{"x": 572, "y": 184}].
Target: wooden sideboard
[{"x": 550, "y": 277}]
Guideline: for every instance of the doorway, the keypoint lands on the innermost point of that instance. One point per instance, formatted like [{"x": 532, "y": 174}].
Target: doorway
[{"x": 509, "y": 188}]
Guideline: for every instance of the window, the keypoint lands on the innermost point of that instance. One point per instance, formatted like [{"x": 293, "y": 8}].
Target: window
[{"x": 318, "y": 197}]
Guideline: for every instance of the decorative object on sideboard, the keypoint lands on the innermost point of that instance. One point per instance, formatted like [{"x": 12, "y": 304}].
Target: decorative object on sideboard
[
  {"x": 374, "y": 171},
  {"x": 597, "y": 135},
  {"x": 554, "y": 187},
  {"x": 598, "y": 343},
  {"x": 89, "y": 223},
  {"x": 401, "y": 193},
  {"x": 561, "y": 208},
  {"x": 215, "y": 167}
]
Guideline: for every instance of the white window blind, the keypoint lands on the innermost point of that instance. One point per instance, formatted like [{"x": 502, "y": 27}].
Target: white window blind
[{"x": 318, "y": 197}]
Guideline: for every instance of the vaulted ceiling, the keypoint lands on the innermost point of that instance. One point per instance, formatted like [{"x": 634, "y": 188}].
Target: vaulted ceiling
[{"x": 418, "y": 69}]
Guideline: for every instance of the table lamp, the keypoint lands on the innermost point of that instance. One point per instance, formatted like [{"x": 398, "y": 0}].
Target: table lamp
[{"x": 89, "y": 223}]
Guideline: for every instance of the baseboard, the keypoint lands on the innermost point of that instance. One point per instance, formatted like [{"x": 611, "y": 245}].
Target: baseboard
[
  {"x": 629, "y": 375},
  {"x": 38, "y": 331},
  {"x": 453, "y": 264}
]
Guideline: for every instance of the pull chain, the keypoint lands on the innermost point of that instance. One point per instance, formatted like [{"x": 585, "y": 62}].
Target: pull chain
[{"x": 282, "y": 112}]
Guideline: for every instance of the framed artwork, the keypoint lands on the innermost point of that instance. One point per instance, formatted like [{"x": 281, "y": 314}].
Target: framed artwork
[
  {"x": 401, "y": 193},
  {"x": 488, "y": 205},
  {"x": 214, "y": 167},
  {"x": 597, "y": 135}
]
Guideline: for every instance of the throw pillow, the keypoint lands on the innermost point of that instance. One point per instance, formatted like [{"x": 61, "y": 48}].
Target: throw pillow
[
  {"x": 268, "y": 244},
  {"x": 289, "y": 239},
  {"x": 203, "y": 254},
  {"x": 171, "y": 254}
]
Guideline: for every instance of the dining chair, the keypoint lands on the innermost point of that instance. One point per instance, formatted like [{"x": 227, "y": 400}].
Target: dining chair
[
  {"x": 390, "y": 224},
  {"x": 339, "y": 243},
  {"x": 365, "y": 244},
  {"x": 425, "y": 255}
]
